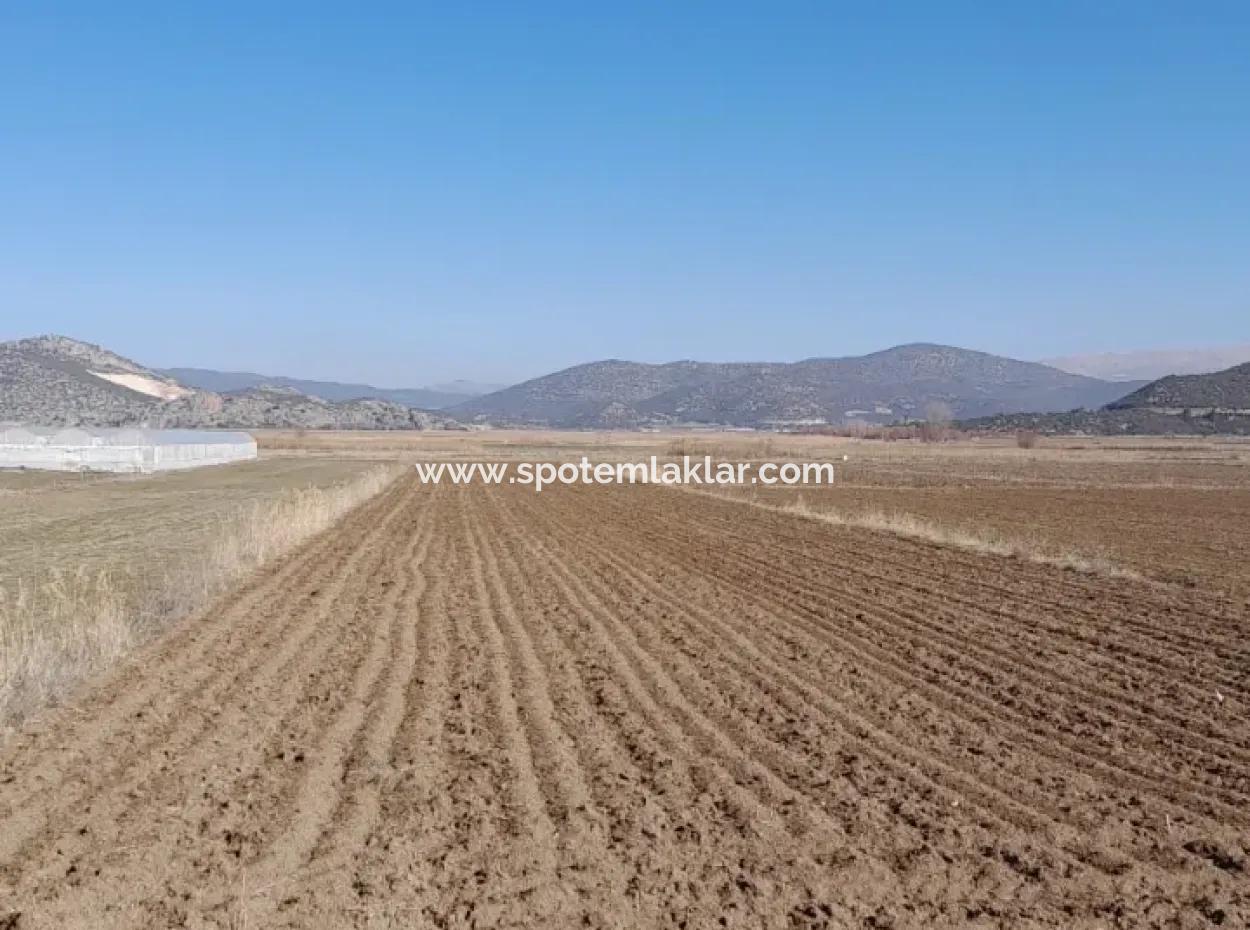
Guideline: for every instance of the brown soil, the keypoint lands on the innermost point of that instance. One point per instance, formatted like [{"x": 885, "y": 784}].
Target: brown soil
[
  {"x": 632, "y": 707},
  {"x": 1184, "y": 536}
]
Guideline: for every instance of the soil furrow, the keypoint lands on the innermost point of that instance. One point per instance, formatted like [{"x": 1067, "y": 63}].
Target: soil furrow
[
  {"x": 1032, "y": 586},
  {"x": 859, "y": 729},
  {"x": 155, "y": 737},
  {"x": 201, "y": 653},
  {"x": 691, "y": 801},
  {"x": 948, "y": 591},
  {"x": 706, "y": 651},
  {"x": 191, "y": 789},
  {"x": 356, "y": 744},
  {"x": 1030, "y": 706}
]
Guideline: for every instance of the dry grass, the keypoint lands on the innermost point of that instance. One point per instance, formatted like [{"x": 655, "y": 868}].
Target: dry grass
[
  {"x": 68, "y": 626},
  {"x": 140, "y": 528},
  {"x": 986, "y": 542}
]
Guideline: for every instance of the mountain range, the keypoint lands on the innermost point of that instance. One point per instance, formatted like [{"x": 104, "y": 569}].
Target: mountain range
[
  {"x": 906, "y": 382},
  {"x": 55, "y": 380}
]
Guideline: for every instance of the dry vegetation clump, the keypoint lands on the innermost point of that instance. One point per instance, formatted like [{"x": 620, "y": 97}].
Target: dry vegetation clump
[
  {"x": 728, "y": 447},
  {"x": 986, "y": 542},
  {"x": 1026, "y": 439},
  {"x": 54, "y": 632},
  {"x": 66, "y": 626},
  {"x": 925, "y": 432}
]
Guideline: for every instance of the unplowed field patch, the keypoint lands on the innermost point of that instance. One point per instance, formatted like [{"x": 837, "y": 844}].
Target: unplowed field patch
[{"x": 634, "y": 707}]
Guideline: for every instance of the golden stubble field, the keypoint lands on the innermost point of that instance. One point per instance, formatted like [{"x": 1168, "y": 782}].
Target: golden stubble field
[
  {"x": 91, "y": 565},
  {"x": 641, "y": 707}
]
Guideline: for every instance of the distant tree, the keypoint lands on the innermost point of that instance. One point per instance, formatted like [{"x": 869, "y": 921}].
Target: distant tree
[{"x": 937, "y": 421}]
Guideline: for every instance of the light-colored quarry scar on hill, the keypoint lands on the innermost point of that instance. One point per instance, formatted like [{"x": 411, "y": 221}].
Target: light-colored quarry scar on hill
[
  {"x": 626, "y": 707},
  {"x": 163, "y": 390}
]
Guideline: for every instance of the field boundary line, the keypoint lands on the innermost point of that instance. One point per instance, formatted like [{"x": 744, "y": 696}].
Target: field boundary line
[{"x": 910, "y": 526}]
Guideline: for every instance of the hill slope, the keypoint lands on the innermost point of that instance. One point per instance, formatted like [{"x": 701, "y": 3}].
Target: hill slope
[
  {"x": 57, "y": 381},
  {"x": 272, "y": 407},
  {"x": 1223, "y": 391},
  {"x": 897, "y": 384},
  {"x": 1186, "y": 405},
  {"x": 610, "y": 393}
]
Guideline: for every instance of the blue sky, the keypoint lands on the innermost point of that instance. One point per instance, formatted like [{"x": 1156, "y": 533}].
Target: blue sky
[{"x": 414, "y": 192}]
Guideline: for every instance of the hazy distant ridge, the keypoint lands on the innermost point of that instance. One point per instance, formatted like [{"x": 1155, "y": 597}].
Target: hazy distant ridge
[
  {"x": 431, "y": 398},
  {"x": 1152, "y": 364}
]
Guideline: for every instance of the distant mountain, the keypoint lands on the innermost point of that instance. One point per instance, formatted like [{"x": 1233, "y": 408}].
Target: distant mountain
[
  {"x": 1152, "y": 364},
  {"x": 1193, "y": 405},
  {"x": 434, "y": 398},
  {"x": 598, "y": 394},
  {"x": 903, "y": 383},
  {"x": 1225, "y": 391},
  {"x": 57, "y": 381},
  {"x": 467, "y": 388}
]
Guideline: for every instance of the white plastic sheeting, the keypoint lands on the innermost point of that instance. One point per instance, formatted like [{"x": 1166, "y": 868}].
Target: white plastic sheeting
[{"x": 120, "y": 450}]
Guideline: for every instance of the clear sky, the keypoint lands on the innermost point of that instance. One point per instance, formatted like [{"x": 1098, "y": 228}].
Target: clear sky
[{"x": 406, "y": 193}]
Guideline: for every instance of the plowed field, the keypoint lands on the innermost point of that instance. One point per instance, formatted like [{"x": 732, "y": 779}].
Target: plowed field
[{"x": 636, "y": 707}]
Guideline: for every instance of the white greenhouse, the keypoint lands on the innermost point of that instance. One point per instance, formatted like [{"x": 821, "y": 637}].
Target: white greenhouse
[{"x": 120, "y": 450}]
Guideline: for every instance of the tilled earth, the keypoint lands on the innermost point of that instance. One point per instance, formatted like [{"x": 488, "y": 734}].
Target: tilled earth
[
  {"x": 1196, "y": 537},
  {"x": 635, "y": 707}
]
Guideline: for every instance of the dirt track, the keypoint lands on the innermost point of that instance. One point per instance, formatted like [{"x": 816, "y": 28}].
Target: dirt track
[{"x": 638, "y": 707}]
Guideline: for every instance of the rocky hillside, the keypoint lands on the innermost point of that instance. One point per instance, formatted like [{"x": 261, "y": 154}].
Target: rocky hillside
[
  {"x": 610, "y": 393},
  {"x": 57, "y": 381},
  {"x": 904, "y": 383},
  {"x": 1136, "y": 421},
  {"x": 54, "y": 380},
  {"x": 1225, "y": 391},
  {"x": 1177, "y": 405},
  {"x": 275, "y": 407}
]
